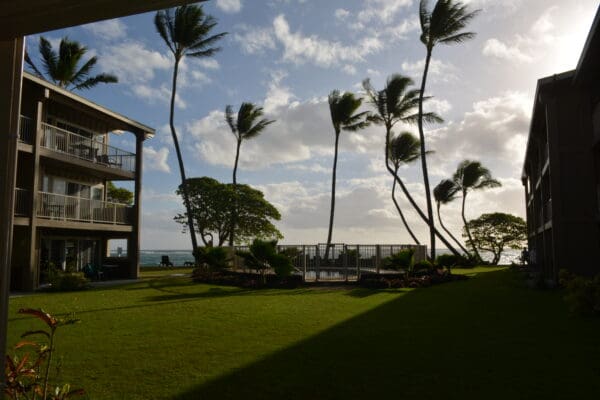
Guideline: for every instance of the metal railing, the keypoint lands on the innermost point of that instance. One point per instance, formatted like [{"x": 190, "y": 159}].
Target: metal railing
[
  {"x": 26, "y": 129},
  {"x": 70, "y": 208},
  {"x": 85, "y": 148},
  {"x": 22, "y": 205}
]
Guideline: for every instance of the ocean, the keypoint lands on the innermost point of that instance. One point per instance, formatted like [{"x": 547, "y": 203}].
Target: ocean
[{"x": 151, "y": 258}]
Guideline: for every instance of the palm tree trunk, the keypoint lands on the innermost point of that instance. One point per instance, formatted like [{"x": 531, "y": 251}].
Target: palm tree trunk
[
  {"x": 332, "y": 211},
  {"x": 431, "y": 222},
  {"x": 467, "y": 226},
  {"x": 234, "y": 211},
  {"x": 401, "y": 213},
  {"x": 450, "y": 233},
  {"x": 421, "y": 214},
  {"x": 186, "y": 199}
]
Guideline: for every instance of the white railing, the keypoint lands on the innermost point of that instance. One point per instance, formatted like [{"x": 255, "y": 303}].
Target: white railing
[
  {"x": 21, "y": 202},
  {"x": 26, "y": 129},
  {"x": 70, "y": 208},
  {"x": 86, "y": 148}
]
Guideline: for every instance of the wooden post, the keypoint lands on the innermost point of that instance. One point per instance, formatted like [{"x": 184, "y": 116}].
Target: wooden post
[{"x": 303, "y": 263}]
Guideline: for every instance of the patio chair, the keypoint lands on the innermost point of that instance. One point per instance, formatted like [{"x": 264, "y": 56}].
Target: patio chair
[
  {"x": 93, "y": 272},
  {"x": 165, "y": 262}
]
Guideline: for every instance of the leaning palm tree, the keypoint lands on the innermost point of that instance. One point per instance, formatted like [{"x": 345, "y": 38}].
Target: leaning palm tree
[
  {"x": 444, "y": 193},
  {"x": 443, "y": 25},
  {"x": 244, "y": 126},
  {"x": 394, "y": 104},
  {"x": 63, "y": 68},
  {"x": 344, "y": 117},
  {"x": 186, "y": 31},
  {"x": 472, "y": 175},
  {"x": 403, "y": 149}
]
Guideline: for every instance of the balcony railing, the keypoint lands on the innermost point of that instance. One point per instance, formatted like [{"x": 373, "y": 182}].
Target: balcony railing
[
  {"x": 70, "y": 208},
  {"x": 85, "y": 148},
  {"x": 22, "y": 206},
  {"x": 26, "y": 129}
]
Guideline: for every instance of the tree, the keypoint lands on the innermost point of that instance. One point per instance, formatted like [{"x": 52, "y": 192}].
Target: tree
[
  {"x": 63, "y": 69},
  {"x": 118, "y": 194},
  {"x": 394, "y": 104},
  {"x": 186, "y": 32},
  {"x": 443, "y": 25},
  {"x": 262, "y": 255},
  {"x": 403, "y": 149},
  {"x": 472, "y": 175},
  {"x": 495, "y": 232},
  {"x": 344, "y": 117},
  {"x": 212, "y": 207},
  {"x": 444, "y": 193},
  {"x": 244, "y": 127}
]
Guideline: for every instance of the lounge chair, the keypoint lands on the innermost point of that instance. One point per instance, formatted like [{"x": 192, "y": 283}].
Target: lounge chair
[
  {"x": 93, "y": 272},
  {"x": 165, "y": 262}
]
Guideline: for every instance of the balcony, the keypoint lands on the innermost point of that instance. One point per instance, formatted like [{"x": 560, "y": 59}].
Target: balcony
[
  {"x": 22, "y": 206},
  {"x": 86, "y": 148},
  {"x": 26, "y": 129},
  {"x": 69, "y": 208}
]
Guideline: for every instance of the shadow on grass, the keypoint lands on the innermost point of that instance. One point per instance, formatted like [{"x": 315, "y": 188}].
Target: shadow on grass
[{"x": 481, "y": 338}]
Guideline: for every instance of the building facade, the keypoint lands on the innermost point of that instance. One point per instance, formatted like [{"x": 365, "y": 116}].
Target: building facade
[
  {"x": 561, "y": 173},
  {"x": 63, "y": 216}
]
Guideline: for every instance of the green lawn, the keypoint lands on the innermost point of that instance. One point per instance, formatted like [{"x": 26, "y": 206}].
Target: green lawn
[{"x": 488, "y": 337}]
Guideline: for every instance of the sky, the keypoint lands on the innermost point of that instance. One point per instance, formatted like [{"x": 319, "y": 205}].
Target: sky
[{"x": 287, "y": 56}]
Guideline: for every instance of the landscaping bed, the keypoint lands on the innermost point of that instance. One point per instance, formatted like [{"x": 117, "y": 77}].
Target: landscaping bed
[
  {"x": 392, "y": 281},
  {"x": 246, "y": 279}
]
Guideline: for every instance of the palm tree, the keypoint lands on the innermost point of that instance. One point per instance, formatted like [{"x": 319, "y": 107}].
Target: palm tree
[
  {"x": 444, "y": 193},
  {"x": 63, "y": 69},
  {"x": 443, "y": 25},
  {"x": 243, "y": 128},
  {"x": 186, "y": 32},
  {"x": 344, "y": 117},
  {"x": 472, "y": 175},
  {"x": 403, "y": 149},
  {"x": 395, "y": 103}
]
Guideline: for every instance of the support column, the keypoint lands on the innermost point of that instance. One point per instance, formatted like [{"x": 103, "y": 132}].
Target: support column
[
  {"x": 11, "y": 71},
  {"x": 133, "y": 250}
]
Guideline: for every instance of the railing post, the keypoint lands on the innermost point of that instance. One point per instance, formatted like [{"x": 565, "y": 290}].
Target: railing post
[
  {"x": 317, "y": 263},
  {"x": 303, "y": 263},
  {"x": 345, "y": 261},
  {"x": 357, "y": 262},
  {"x": 377, "y": 258},
  {"x": 114, "y": 215}
]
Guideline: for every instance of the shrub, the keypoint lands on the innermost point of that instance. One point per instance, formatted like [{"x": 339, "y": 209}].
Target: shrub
[
  {"x": 399, "y": 260},
  {"x": 447, "y": 260},
  {"x": 262, "y": 255},
  {"x": 215, "y": 258},
  {"x": 583, "y": 295},
  {"x": 422, "y": 267},
  {"x": 68, "y": 281}
]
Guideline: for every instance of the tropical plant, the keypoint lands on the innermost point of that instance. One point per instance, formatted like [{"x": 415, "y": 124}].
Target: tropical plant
[
  {"x": 400, "y": 260},
  {"x": 344, "y": 117},
  {"x": 262, "y": 256},
  {"x": 471, "y": 175},
  {"x": 442, "y": 25},
  {"x": 214, "y": 258},
  {"x": 118, "y": 194},
  {"x": 496, "y": 231},
  {"x": 394, "y": 104},
  {"x": 186, "y": 30},
  {"x": 27, "y": 376},
  {"x": 63, "y": 69},
  {"x": 403, "y": 149},
  {"x": 444, "y": 193},
  {"x": 212, "y": 203},
  {"x": 244, "y": 127}
]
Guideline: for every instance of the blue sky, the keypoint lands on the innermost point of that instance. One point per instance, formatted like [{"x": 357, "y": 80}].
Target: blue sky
[{"x": 287, "y": 55}]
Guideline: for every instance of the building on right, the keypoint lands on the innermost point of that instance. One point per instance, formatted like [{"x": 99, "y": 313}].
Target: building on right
[{"x": 561, "y": 173}]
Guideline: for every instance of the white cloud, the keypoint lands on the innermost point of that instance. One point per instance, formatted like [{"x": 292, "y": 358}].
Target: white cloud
[
  {"x": 107, "y": 30},
  {"x": 156, "y": 160},
  {"x": 496, "y": 48},
  {"x": 253, "y": 40},
  {"x": 153, "y": 95},
  {"x": 132, "y": 62},
  {"x": 229, "y": 6},
  {"x": 349, "y": 69},
  {"x": 208, "y": 63},
  {"x": 300, "y": 49},
  {"x": 341, "y": 13},
  {"x": 438, "y": 70},
  {"x": 382, "y": 10}
]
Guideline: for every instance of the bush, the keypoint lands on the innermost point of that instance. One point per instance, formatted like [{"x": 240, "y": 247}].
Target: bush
[
  {"x": 447, "y": 260},
  {"x": 399, "y": 260},
  {"x": 583, "y": 294},
  {"x": 422, "y": 268},
  {"x": 215, "y": 258},
  {"x": 68, "y": 281},
  {"x": 263, "y": 255}
]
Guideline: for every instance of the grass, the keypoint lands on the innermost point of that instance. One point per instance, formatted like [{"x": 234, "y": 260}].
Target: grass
[{"x": 166, "y": 338}]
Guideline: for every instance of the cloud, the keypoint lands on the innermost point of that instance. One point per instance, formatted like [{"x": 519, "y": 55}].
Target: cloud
[
  {"x": 132, "y": 62},
  {"x": 153, "y": 95},
  {"x": 349, "y": 69},
  {"x": 438, "y": 70},
  {"x": 254, "y": 40},
  {"x": 498, "y": 49},
  {"x": 229, "y": 6},
  {"x": 107, "y": 30},
  {"x": 208, "y": 63},
  {"x": 383, "y": 11},
  {"x": 299, "y": 49},
  {"x": 341, "y": 14},
  {"x": 156, "y": 160}
]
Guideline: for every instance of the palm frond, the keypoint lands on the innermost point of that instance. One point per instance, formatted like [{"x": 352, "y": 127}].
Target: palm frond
[
  {"x": 161, "y": 23},
  {"x": 445, "y": 191},
  {"x": 100, "y": 78},
  {"x": 31, "y": 65},
  {"x": 229, "y": 117}
]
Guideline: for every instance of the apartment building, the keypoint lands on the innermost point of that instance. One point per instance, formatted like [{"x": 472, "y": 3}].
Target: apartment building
[
  {"x": 561, "y": 173},
  {"x": 63, "y": 216}
]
